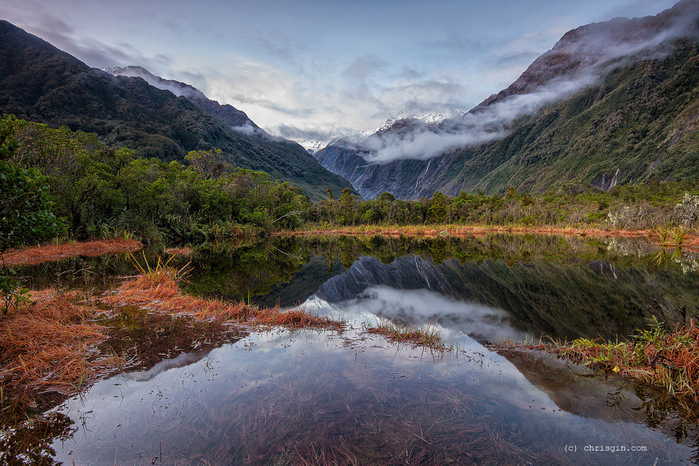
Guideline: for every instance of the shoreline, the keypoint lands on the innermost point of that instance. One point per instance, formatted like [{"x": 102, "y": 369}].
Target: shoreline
[
  {"x": 34, "y": 255},
  {"x": 434, "y": 231}
]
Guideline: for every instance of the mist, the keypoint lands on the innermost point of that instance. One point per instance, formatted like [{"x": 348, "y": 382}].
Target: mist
[
  {"x": 582, "y": 58},
  {"x": 423, "y": 307}
]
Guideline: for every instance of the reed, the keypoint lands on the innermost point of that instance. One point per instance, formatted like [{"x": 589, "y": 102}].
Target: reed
[
  {"x": 156, "y": 289},
  {"x": 679, "y": 235},
  {"x": 49, "y": 345},
  {"x": 428, "y": 337}
]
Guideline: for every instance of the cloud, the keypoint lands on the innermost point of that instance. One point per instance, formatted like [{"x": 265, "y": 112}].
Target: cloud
[
  {"x": 364, "y": 67},
  {"x": 426, "y": 96},
  {"x": 93, "y": 52},
  {"x": 313, "y": 139},
  {"x": 281, "y": 49},
  {"x": 584, "y": 56},
  {"x": 429, "y": 140},
  {"x": 293, "y": 132},
  {"x": 249, "y": 130},
  {"x": 453, "y": 42}
]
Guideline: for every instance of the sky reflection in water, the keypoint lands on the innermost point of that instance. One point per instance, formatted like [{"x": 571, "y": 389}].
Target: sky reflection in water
[
  {"x": 278, "y": 398},
  {"x": 281, "y": 397}
]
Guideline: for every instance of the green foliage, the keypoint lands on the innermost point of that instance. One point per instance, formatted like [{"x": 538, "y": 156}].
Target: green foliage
[
  {"x": 103, "y": 191},
  {"x": 25, "y": 204},
  {"x": 387, "y": 197},
  {"x": 40, "y": 83},
  {"x": 25, "y": 208},
  {"x": 437, "y": 211},
  {"x": 8, "y": 143},
  {"x": 12, "y": 293}
]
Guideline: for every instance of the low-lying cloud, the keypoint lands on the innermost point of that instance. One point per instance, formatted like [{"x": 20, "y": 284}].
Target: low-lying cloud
[
  {"x": 581, "y": 59},
  {"x": 423, "y": 307},
  {"x": 426, "y": 141}
]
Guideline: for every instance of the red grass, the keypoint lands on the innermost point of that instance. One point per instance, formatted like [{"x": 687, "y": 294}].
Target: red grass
[
  {"x": 51, "y": 252},
  {"x": 48, "y": 345},
  {"x": 186, "y": 251},
  {"x": 160, "y": 293},
  {"x": 668, "y": 361}
]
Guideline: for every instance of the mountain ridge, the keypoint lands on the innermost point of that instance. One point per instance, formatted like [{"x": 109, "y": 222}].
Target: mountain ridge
[
  {"x": 39, "y": 82},
  {"x": 227, "y": 113},
  {"x": 518, "y": 153}
]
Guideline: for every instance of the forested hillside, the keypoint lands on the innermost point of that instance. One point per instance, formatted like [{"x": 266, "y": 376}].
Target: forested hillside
[
  {"x": 40, "y": 83},
  {"x": 635, "y": 119}
]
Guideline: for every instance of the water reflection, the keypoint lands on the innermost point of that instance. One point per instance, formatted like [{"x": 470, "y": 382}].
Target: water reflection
[
  {"x": 548, "y": 286},
  {"x": 313, "y": 398},
  {"x": 419, "y": 308},
  {"x": 204, "y": 393}
]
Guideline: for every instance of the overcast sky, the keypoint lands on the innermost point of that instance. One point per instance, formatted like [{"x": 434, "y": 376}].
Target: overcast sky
[{"x": 303, "y": 67}]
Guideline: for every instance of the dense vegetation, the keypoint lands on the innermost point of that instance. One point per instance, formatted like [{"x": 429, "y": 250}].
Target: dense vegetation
[
  {"x": 625, "y": 207},
  {"x": 40, "y": 83},
  {"x": 100, "y": 191},
  {"x": 638, "y": 124}
]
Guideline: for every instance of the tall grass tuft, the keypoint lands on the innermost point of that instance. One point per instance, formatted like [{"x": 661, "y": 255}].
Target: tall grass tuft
[
  {"x": 429, "y": 337},
  {"x": 665, "y": 360},
  {"x": 162, "y": 270}
]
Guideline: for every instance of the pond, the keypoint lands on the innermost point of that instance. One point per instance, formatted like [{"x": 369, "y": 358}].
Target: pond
[{"x": 211, "y": 393}]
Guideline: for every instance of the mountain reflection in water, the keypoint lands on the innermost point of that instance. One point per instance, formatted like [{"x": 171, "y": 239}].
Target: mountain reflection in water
[{"x": 352, "y": 398}]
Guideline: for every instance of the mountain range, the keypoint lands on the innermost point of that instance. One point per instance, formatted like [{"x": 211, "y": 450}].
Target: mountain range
[
  {"x": 157, "y": 118},
  {"x": 611, "y": 102}
]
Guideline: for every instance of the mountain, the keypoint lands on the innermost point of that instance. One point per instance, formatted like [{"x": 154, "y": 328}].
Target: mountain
[
  {"x": 39, "y": 82},
  {"x": 581, "y": 300},
  {"x": 225, "y": 113},
  {"x": 611, "y": 102}
]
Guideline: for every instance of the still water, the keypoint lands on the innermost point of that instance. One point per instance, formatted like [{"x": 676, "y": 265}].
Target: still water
[{"x": 220, "y": 395}]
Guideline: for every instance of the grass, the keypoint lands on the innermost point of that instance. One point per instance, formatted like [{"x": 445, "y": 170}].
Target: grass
[
  {"x": 428, "y": 337},
  {"x": 667, "y": 361},
  {"x": 48, "y": 345},
  {"x": 157, "y": 289},
  {"x": 51, "y": 252}
]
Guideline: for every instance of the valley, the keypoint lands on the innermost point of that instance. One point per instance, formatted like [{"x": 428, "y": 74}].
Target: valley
[{"x": 511, "y": 282}]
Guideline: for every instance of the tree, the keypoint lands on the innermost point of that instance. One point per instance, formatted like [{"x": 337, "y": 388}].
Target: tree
[
  {"x": 437, "y": 211},
  {"x": 387, "y": 197},
  {"x": 348, "y": 207},
  {"x": 25, "y": 208},
  {"x": 207, "y": 163}
]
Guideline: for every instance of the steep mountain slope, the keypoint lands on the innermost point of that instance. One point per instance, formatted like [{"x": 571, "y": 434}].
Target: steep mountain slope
[
  {"x": 580, "y": 300},
  {"x": 226, "y": 113},
  {"x": 635, "y": 116},
  {"x": 40, "y": 83}
]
